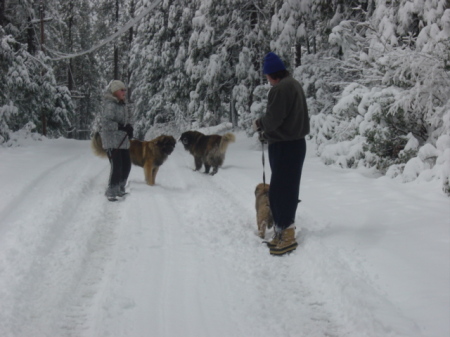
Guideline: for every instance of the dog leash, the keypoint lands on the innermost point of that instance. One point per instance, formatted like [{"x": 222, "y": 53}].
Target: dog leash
[
  {"x": 263, "y": 160},
  {"x": 116, "y": 149}
]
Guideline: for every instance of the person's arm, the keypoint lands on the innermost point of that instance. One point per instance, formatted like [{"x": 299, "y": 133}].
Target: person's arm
[
  {"x": 276, "y": 110},
  {"x": 113, "y": 116},
  {"x": 108, "y": 118},
  {"x": 128, "y": 128}
]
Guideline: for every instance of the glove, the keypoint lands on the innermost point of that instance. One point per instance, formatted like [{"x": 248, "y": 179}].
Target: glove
[
  {"x": 262, "y": 137},
  {"x": 127, "y": 128},
  {"x": 255, "y": 125}
]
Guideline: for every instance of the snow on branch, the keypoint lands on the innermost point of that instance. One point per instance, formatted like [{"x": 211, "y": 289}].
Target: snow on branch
[{"x": 122, "y": 30}]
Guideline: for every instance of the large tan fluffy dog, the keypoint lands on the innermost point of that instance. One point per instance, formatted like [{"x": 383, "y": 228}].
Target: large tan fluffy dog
[
  {"x": 263, "y": 214},
  {"x": 148, "y": 154},
  {"x": 208, "y": 150}
]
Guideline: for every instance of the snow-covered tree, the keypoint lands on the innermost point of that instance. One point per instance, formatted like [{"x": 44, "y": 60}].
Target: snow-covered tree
[
  {"x": 27, "y": 82},
  {"x": 399, "y": 89},
  {"x": 80, "y": 74},
  {"x": 158, "y": 57},
  {"x": 108, "y": 17}
]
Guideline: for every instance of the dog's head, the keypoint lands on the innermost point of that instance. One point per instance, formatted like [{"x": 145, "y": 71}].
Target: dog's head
[
  {"x": 189, "y": 138},
  {"x": 166, "y": 144},
  {"x": 261, "y": 189}
]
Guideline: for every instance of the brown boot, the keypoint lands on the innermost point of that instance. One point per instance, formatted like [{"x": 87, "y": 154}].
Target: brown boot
[
  {"x": 275, "y": 239},
  {"x": 286, "y": 242}
]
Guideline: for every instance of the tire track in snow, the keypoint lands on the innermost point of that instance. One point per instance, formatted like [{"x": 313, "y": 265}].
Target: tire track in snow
[
  {"x": 284, "y": 295},
  {"x": 290, "y": 292},
  {"x": 168, "y": 267},
  {"x": 266, "y": 281},
  {"x": 94, "y": 260},
  {"x": 39, "y": 274},
  {"x": 16, "y": 205},
  {"x": 180, "y": 258},
  {"x": 218, "y": 221},
  {"x": 347, "y": 292}
]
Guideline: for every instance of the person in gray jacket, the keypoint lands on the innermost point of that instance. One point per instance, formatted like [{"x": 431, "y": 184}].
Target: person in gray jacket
[
  {"x": 116, "y": 130},
  {"x": 284, "y": 126}
]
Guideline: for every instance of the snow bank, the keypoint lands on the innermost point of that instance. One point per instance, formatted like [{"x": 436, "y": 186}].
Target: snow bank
[{"x": 24, "y": 136}]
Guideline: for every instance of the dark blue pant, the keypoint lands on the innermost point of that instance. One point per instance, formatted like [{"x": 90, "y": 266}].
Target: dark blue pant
[
  {"x": 286, "y": 162},
  {"x": 120, "y": 167}
]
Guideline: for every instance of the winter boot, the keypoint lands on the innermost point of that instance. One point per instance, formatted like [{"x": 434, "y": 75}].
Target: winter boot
[
  {"x": 286, "y": 242},
  {"x": 275, "y": 239},
  {"x": 112, "y": 193},
  {"x": 122, "y": 192}
]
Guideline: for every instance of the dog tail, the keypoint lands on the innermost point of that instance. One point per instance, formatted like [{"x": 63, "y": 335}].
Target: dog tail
[
  {"x": 226, "y": 139},
  {"x": 97, "y": 145}
]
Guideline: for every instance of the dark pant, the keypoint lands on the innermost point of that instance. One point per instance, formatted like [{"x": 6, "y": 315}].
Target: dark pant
[
  {"x": 120, "y": 168},
  {"x": 286, "y": 162}
]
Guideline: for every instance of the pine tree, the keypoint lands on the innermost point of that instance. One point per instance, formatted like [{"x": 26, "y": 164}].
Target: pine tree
[
  {"x": 158, "y": 58},
  {"x": 80, "y": 74},
  {"x": 29, "y": 89},
  {"x": 400, "y": 85},
  {"x": 110, "y": 15}
]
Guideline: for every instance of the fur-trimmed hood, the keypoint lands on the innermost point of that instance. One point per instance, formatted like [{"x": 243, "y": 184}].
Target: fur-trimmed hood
[{"x": 108, "y": 96}]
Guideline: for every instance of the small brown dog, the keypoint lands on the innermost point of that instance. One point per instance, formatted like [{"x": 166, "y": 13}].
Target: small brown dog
[{"x": 263, "y": 214}]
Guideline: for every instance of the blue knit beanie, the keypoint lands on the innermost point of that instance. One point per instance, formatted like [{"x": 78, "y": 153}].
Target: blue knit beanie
[{"x": 272, "y": 64}]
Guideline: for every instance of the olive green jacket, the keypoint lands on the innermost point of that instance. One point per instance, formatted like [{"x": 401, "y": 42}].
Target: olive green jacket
[{"x": 286, "y": 116}]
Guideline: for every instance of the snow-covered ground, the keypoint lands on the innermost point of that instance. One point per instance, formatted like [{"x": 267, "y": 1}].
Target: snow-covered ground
[{"x": 182, "y": 258}]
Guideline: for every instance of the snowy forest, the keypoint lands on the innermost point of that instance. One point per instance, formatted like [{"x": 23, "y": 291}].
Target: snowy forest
[{"x": 376, "y": 72}]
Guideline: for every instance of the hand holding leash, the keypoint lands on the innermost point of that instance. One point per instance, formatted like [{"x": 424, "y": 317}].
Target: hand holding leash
[
  {"x": 127, "y": 128},
  {"x": 255, "y": 126},
  {"x": 261, "y": 137}
]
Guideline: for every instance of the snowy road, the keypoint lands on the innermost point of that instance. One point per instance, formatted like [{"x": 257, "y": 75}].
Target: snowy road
[{"x": 182, "y": 258}]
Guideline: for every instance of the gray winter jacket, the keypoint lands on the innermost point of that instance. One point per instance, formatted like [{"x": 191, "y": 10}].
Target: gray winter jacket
[{"x": 114, "y": 113}]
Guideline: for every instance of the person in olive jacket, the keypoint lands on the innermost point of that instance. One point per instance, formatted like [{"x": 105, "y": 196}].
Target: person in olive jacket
[
  {"x": 284, "y": 126},
  {"x": 116, "y": 130}
]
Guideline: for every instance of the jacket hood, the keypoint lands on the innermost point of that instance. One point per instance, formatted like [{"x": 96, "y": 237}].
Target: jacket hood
[{"x": 110, "y": 97}]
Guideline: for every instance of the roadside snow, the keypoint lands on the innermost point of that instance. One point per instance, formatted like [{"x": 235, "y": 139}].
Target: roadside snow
[{"x": 182, "y": 258}]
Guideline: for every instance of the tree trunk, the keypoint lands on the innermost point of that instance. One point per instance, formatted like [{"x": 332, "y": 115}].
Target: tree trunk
[
  {"x": 314, "y": 37},
  {"x": 31, "y": 38},
  {"x": 70, "y": 66},
  {"x": 70, "y": 76},
  {"x": 130, "y": 40},
  {"x": 43, "y": 116},
  {"x": 298, "y": 55},
  {"x": 2, "y": 13},
  {"x": 116, "y": 48}
]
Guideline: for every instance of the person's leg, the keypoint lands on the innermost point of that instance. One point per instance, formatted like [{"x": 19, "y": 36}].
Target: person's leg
[
  {"x": 290, "y": 172},
  {"x": 286, "y": 163},
  {"x": 275, "y": 151},
  {"x": 286, "y": 159},
  {"x": 273, "y": 158},
  {"x": 126, "y": 168},
  {"x": 115, "y": 174}
]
